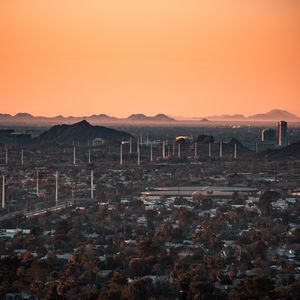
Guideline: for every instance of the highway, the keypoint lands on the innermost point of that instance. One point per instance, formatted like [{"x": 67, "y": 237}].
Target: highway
[{"x": 34, "y": 213}]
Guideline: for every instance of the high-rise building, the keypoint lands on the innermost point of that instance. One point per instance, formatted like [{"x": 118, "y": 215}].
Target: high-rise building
[
  {"x": 282, "y": 133},
  {"x": 268, "y": 136}
]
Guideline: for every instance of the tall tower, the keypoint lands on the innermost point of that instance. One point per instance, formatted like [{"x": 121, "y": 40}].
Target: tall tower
[{"x": 282, "y": 133}]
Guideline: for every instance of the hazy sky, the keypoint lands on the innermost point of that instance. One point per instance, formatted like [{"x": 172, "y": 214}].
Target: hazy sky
[{"x": 180, "y": 57}]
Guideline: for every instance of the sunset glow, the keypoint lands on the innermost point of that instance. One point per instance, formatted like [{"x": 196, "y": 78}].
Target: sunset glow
[{"x": 182, "y": 58}]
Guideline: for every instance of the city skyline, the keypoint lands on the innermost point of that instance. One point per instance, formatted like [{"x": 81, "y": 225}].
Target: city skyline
[{"x": 196, "y": 59}]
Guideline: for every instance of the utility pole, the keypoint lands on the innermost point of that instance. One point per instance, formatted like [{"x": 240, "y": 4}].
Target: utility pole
[
  {"x": 56, "y": 188},
  {"x": 235, "y": 151},
  {"x": 37, "y": 182},
  {"x": 22, "y": 157},
  {"x": 178, "y": 149},
  {"x": 121, "y": 154},
  {"x": 130, "y": 145},
  {"x": 6, "y": 156},
  {"x": 92, "y": 184},
  {"x": 195, "y": 149},
  {"x": 151, "y": 152},
  {"x": 89, "y": 156},
  {"x": 74, "y": 155},
  {"x": 209, "y": 150},
  {"x": 138, "y": 152},
  {"x": 3, "y": 191}
]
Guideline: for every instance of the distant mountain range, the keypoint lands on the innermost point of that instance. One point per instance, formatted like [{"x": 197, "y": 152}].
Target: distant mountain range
[
  {"x": 101, "y": 118},
  {"x": 79, "y": 132},
  {"x": 271, "y": 116}
]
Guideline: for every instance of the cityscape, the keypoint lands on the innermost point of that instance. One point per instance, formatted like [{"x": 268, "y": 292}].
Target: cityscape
[
  {"x": 150, "y": 212},
  {"x": 150, "y": 150}
]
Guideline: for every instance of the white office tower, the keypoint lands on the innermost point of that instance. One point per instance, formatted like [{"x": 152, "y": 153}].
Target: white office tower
[
  {"x": 3, "y": 191},
  {"x": 92, "y": 184}
]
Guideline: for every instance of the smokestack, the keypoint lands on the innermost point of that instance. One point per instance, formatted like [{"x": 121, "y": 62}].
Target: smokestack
[
  {"x": 3, "y": 191},
  {"x": 221, "y": 149},
  {"x": 173, "y": 150},
  {"x": 92, "y": 184},
  {"x": 147, "y": 141},
  {"x": 137, "y": 145},
  {"x": 178, "y": 149},
  {"x": 196, "y": 150},
  {"x": 164, "y": 150},
  {"x": 209, "y": 150}
]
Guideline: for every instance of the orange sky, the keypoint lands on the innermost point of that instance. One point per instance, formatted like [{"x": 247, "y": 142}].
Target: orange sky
[{"x": 181, "y": 57}]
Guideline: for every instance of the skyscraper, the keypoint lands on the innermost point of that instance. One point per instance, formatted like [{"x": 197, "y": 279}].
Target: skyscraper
[
  {"x": 282, "y": 133},
  {"x": 268, "y": 136}
]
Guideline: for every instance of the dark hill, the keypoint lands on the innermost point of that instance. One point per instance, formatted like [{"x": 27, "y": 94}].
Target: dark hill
[
  {"x": 205, "y": 139},
  {"x": 79, "y": 132},
  {"x": 291, "y": 151}
]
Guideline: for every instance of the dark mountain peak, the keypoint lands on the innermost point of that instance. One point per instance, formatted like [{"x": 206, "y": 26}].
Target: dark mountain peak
[
  {"x": 204, "y": 120},
  {"x": 162, "y": 117},
  {"x": 276, "y": 115},
  {"x": 137, "y": 117},
  {"x": 83, "y": 123},
  {"x": 23, "y": 115},
  {"x": 82, "y": 131}
]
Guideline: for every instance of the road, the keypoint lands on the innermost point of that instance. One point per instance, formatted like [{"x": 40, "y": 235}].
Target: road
[{"x": 30, "y": 214}]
